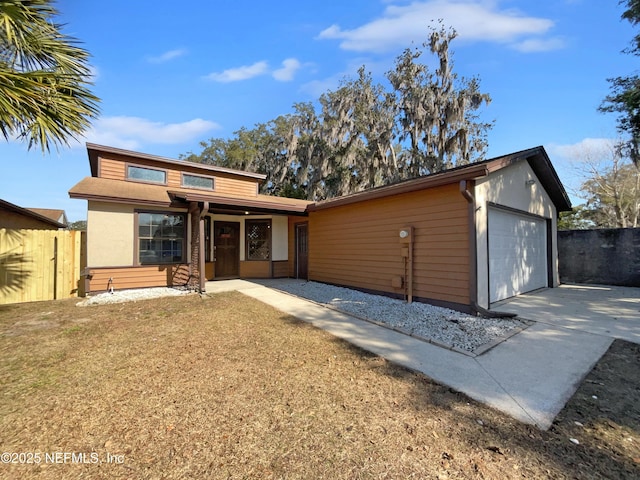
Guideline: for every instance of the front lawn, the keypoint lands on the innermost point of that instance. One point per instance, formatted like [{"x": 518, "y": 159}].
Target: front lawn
[{"x": 226, "y": 387}]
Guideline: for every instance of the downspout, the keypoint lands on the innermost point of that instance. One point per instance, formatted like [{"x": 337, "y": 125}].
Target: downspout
[{"x": 466, "y": 189}]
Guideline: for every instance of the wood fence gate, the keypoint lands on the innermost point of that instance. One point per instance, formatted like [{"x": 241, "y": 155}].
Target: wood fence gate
[{"x": 40, "y": 265}]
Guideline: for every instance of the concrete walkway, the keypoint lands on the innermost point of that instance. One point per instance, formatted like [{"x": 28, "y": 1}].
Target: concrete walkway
[{"x": 530, "y": 376}]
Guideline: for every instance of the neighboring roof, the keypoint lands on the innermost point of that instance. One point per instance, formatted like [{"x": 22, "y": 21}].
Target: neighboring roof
[
  {"x": 108, "y": 190},
  {"x": 54, "y": 214},
  {"x": 94, "y": 150},
  {"x": 31, "y": 213},
  {"x": 537, "y": 158}
]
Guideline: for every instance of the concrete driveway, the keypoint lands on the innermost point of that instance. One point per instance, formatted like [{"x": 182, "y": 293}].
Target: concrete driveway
[{"x": 601, "y": 310}]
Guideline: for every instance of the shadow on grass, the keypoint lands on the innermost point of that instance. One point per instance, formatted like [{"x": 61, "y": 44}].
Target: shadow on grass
[{"x": 606, "y": 425}]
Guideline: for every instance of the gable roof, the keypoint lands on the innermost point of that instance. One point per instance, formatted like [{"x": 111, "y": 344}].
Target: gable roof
[
  {"x": 94, "y": 151},
  {"x": 536, "y": 157},
  {"x": 54, "y": 214},
  {"x": 32, "y": 213}
]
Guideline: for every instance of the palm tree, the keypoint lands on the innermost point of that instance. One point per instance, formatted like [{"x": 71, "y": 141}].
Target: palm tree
[{"x": 44, "y": 77}]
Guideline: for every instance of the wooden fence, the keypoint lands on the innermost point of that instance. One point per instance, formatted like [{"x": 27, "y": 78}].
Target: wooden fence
[{"x": 40, "y": 265}]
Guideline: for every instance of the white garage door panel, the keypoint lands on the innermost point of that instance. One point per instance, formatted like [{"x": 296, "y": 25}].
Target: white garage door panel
[{"x": 517, "y": 254}]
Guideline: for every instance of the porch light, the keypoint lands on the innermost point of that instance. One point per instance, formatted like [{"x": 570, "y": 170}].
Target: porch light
[{"x": 246, "y": 213}]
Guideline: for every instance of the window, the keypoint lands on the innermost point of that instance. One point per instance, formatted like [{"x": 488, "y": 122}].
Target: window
[
  {"x": 197, "y": 181},
  {"x": 143, "y": 174},
  {"x": 161, "y": 237},
  {"x": 258, "y": 233}
]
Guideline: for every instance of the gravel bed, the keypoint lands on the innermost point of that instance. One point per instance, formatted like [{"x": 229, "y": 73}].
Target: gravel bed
[
  {"x": 121, "y": 296},
  {"x": 441, "y": 325}
]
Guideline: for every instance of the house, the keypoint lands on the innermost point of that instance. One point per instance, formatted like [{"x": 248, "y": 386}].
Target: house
[
  {"x": 153, "y": 221},
  {"x": 56, "y": 215},
  {"x": 15, "y": 217},
  {"x": 463, "y": 238}
]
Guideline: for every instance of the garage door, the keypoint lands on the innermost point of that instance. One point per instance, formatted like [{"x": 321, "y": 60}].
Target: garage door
[{"x": 517, "y": 254}]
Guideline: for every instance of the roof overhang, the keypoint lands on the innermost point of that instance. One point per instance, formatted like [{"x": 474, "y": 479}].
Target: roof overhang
[
  {"x": 536, "y": 157},
  {"x": 117, "y": 191},
  {"x": 543, "y": 168},
  {"x": 469, "y": 172},
  {"x": 94, "y": 151},
  {"x": 260, "y": 204}
]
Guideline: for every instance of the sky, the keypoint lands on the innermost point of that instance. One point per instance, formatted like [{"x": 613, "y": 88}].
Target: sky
[{"x": 171, "y": 75}]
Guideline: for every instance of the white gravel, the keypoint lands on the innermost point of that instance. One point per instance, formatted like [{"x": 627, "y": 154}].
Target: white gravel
[
  {"x": 121, "y": 296},
  {"x": 440, "y": 325}
]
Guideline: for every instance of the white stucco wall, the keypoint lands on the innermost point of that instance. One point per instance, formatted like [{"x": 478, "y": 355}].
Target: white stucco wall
[
  {"x": 507, "y": 187},
  {"x": 109, "y": 235},
  {"x": 280, "y": 238}
]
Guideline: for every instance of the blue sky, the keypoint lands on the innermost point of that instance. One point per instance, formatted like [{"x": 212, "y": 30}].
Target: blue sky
[{"x": 171, "y": 75}]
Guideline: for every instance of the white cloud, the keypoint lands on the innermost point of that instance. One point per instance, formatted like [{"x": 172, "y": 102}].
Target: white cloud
[
  {"x": 240, "y": 73},
  {"x": 169, "y": 55},
  {"x": 289, "y": 67},
  {"x": 585, "y": 147},
  {"x": 134, "y": 132},
  {"x": 539, "y": 45},
  {"x": 474, "y": 20}
]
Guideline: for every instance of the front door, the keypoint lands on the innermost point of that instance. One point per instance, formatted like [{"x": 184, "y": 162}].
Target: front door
[
  {"x": 227, "y": 249},
  {"x": 302, "y": 251}
]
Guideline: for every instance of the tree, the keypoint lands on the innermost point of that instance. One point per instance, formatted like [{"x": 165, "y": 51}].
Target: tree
[
  {"x": 78, "y": 225},
  {"x": 611, "y": 186},
  {"x": 579, "y": 218},
  {"x": 437, "y": 110},
  {"x": 625, "y": 92},
  {"x": 44, "y": 77},
  {"x": 363, "y": 135}
]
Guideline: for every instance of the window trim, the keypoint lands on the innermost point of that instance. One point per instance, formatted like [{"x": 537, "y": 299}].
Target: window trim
[
  {"x": 136, "y": 238},
  {"x": 209, "y": 177},
  {"x": 247, "y": 222},
  {"x": 149, "y": 182}
]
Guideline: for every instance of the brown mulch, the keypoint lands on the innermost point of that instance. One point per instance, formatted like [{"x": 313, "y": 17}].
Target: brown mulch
[{"x": 226, "y": 387}]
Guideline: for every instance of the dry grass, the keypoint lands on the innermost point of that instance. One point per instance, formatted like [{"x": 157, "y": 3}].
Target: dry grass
[{"x": 226, "y": 387}]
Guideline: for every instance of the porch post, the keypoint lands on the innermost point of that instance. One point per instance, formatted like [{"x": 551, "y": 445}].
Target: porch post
[
  {"x": 194, "y": 276},
  {"x": 197, "y": 277},
  {"x": 201, "y": 252}
]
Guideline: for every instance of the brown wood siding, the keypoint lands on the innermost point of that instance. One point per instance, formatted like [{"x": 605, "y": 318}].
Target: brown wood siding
[
  {"x": 255, "y": 269},
  {"x": 358, "y": 245},
  {"x": 209, "y": 270},
  {"x": 138, "y": 277},
  {"x": 231, "y": 186},
  {"x": 281, "y": 269},
  {"x": 114, "y": 167}
]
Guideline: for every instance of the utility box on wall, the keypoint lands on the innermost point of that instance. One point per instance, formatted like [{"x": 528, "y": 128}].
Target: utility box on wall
[{"x": 405, "y": 236}]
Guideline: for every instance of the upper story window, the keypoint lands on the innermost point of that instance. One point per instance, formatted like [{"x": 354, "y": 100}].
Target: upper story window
[
  {"x": 144, "y": 174},
  {"x": 197, "y": 181}
]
